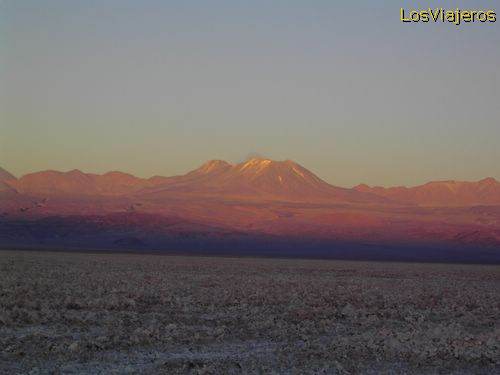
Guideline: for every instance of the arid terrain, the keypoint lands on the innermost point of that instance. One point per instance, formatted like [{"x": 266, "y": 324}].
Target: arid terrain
[
  {"x": 258, "y": 207},
  {"x": 90, "y": 313}
]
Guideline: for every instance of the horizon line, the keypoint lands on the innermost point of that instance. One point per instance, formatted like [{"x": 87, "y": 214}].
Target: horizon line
[{"x": 246, "y": 161}]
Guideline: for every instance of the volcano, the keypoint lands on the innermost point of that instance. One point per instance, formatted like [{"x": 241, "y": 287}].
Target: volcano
[
  {"x": 254, "y": 179},
  {"x": 259, "y": 178},
  {"x": 260, "y": 204}
]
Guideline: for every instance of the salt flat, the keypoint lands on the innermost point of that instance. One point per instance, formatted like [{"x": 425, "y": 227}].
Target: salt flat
[{"x": 91, "y": 313}]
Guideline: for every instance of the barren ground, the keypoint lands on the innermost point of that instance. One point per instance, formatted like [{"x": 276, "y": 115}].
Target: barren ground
[{"x": 132, "y": 313}]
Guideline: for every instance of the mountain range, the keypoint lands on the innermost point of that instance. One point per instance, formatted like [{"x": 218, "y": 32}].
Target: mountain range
[
  {"x": 442, "y": 193},
  {"x": 259, "y": 205},
  {"x": 255, "y": 178}
]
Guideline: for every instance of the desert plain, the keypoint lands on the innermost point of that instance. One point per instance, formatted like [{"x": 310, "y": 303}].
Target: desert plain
[{"x": 91, "y": 313}]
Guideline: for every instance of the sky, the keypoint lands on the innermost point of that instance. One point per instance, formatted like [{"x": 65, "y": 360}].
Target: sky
[{"x": 344, "y": 88}]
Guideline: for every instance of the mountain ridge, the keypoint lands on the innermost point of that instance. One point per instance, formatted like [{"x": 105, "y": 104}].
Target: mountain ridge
[
  {"x": 6, "y": 175},
  {"x": 258, "y": 178},
  {"x": 258, "y": 202},
  {"x": 442, "y": 193}
]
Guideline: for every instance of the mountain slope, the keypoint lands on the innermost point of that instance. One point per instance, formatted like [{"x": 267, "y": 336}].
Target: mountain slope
[
  {"x": 6, "y": 188},
  {"x": 51, "y": 182},
  {"x": 255, "y": 179},
  {"x": 442, "y": 193},
  {"x": 76, "y": 183},
  {"x": 257, "y": 200},
  {"x": 6, "y": 181},
  {"x": 259, "y": 178},
  {"x": 6, "y": 176}
]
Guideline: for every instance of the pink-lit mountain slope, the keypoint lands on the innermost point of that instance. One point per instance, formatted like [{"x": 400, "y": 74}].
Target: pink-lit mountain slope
[
  {"x": 261, "y": 199},
  {"x": 442, "y": 193},
  {"x": 6, "y": 176},
  {"x": 259, "y": 178},
  {"x": 4, "y": 187},
  {"x": 76, "y": 182},
  {"x": 255, "y": 179},
  {"x": 6, "y": 179}
]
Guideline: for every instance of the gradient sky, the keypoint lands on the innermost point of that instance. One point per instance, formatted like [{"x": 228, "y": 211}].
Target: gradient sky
[{"x": 158, "y": 87}]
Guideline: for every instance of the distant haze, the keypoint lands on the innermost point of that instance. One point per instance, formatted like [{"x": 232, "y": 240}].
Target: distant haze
[{"x": 157, "y": 88}]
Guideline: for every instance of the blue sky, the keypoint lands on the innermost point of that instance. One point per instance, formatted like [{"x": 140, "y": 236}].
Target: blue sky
[{"x": 158, "y": 87}]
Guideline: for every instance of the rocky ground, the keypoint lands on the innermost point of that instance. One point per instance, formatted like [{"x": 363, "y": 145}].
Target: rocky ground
[{"x": 68, "y": 313}]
